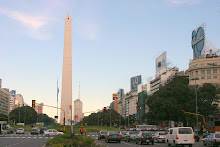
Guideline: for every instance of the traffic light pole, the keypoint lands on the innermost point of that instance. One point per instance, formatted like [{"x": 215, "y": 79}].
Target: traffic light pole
[
  {"x": 58, "y": 108},
  {"x": 198, "y": 115}
]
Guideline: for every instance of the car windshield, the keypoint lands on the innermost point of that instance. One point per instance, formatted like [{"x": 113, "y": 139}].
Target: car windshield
[{"x": 185, "y": 131}]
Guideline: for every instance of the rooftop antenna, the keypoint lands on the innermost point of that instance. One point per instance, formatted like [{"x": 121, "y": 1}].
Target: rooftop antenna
[{"x": 79, "y": 91}]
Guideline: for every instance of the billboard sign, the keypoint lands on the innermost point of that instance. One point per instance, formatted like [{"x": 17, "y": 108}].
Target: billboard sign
[
  {"x": 115, "y": 96},
  {"x": 120, "y": 93},
  {"x": 161, "y": 64},
  {"x": 13, "y": 93},
  {"x": 135, "y": 81}
]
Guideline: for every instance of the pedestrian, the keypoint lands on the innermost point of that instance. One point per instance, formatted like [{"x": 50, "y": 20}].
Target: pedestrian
[{"x": 81, "y": 131}]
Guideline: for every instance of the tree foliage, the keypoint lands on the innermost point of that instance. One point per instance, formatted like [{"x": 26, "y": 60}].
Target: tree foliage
[
  {"x": 169, "y": 101},
  {"x": 44, "y": 118},
  {"x": 104, "y": 118},
  {"x": 23, "y": 114},
  {"x": 3, "y": 117}
]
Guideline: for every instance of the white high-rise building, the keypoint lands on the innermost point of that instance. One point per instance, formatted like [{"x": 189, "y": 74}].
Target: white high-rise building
[
  {"x": 20, "y": 99},
  {"x": 66, "y": 93},
  {"x": 78, "y": 110}
]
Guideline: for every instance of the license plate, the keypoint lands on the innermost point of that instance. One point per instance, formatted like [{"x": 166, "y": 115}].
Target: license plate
[
  {"x": 147, "y": 140},
  {"x": 185, "y": 140}
]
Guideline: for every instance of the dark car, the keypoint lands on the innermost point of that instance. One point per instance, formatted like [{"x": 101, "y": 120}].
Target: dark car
[
  {"x": 35, "y": 131},
  {"x": 123, "y": 133},
  {"x": 145, "y": 137},
  {"x": 197, "y": 137},
  {"x": 113, "y": 136},
  {"x": 43, "y": 129},
  {"x": 101, "y": 135}
]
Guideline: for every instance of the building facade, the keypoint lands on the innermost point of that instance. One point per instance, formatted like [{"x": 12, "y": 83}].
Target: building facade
[
  {"x": 39, "y": 108},
  {"x": 20, "y": 100},
  {"x": 4, "y": 102},
  {"x": 78, "y": 111},
  {"x": 161, "y": 80},
  {"x": 12, "y": 99},
  {"x": 206, "y": 69}
]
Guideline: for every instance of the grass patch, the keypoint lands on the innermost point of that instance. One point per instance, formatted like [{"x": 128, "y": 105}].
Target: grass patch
[{"x": 68, "y": 140}]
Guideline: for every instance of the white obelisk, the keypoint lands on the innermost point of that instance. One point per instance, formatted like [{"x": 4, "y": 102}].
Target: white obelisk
[{"x": 66, "y": 95}]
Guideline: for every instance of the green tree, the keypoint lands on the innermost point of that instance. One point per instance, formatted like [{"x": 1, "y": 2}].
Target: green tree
[
  {"x": 23, "y": 114},
  {"x": 44, "y": 118}
]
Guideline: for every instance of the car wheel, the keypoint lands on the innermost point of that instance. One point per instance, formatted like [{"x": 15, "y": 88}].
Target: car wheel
[
  {"x": 136, "y": 141},
  {"x": 128, "y": 140},
  {"x": 190, "y": 145},
  {"x": 163, "y": 141},
  {"x": 119, "y": 141},
  {"x": 105, "y": 140},
  {"x": 204, "y": 144}
]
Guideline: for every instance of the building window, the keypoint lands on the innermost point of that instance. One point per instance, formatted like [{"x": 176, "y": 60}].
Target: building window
[
  {"x": 209, "y": 71},
  {"x": 214, "y": 70},
  {"x": 192, "y": 74},
  {"x": 215, "y": 77},
  {"x": 197, "y": 73},
  {"x": 202, "y": 64},
  {"x": 209, "y": 77},
  {"x": 203, "y": 72},
  {"x": 202, "y": 77}
]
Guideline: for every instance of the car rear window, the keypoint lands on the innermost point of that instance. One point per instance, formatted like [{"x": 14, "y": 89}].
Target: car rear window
[
  {"x": 20, "y": 129},
  {"x": 103, "y": 132},
  {"x": 133, "y": 132},
  {"x": 217, "y": 135},
  {"x": 114, "y": 132},
  {"x": 162, "y": 133},
  {"x": 185, "y": 131},
  {"x": 147, "y": 134}
]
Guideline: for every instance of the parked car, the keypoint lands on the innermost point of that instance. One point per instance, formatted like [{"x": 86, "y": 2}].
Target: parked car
[
  {"x": 113, "y": 136},
  {"x": 144, "y": 137},
  {"x": 212, "y": 139},
  {"x": 52, "y": 132},
  {"x": 123, "y": 133},
  {"x": 197, "y": 137},
  {"x": 43, "y": 129},
  {"x": 9, "y": 130},
  {"x": 20, "y": 131},
  {"x": 35, "y": 131},
  {"x": 160, "y": 137},
  {"x": 131, "y": 136},
  {"x": 180, "y": 136},
  {"x": 101, "y": 135}
]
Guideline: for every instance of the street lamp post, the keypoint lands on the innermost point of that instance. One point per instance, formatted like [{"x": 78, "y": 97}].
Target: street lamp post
[{"x": 196, "y": 103}]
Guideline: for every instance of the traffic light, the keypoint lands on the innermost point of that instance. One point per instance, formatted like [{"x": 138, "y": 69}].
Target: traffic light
[
  {"x": 182, "y": 110},
  {"x": 104, "y": 109},
  {"x": 56, "y": 117},
  {"x": 33, "y": 103}
]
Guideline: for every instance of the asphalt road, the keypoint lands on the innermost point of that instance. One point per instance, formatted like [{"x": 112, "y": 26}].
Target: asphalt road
[
  {"x": 132, "y": 144},
  {"x": 23, "y": 140}
]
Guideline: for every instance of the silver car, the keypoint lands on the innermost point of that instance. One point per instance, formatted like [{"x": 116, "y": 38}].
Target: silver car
[
  {"x": 212, "y": 139},
  {"x": 160, "y": 137},
  {"x": 131, "y": 136},
  {"x": 113, "y": 136},
  {"x": 20, "y": 131}
]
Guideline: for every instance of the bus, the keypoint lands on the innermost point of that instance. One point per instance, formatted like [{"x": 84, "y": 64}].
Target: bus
[{"x": 146, "y": 127}]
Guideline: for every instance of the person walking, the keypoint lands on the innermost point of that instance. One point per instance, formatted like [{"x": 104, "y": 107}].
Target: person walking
[{"x": 81, "y": 131}]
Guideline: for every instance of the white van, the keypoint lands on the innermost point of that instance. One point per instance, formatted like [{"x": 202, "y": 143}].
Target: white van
[{"x": 180, "y": 136}]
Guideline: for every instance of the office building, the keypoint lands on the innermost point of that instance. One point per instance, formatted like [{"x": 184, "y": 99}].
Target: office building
[{"x": 4, "y": 102}]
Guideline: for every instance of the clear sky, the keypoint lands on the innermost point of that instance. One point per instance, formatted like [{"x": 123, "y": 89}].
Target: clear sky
[{"x": 112, "y": 41}]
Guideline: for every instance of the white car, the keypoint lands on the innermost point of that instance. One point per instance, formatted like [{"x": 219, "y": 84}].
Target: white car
[
  {"x": 20, "y": 131},
  {"x": 180, "y": 136},
  {"x": 52, "y": 132}
]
